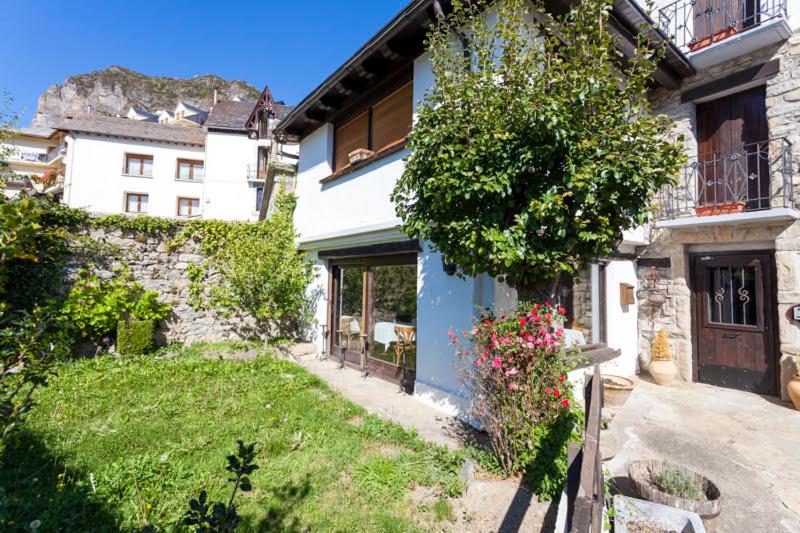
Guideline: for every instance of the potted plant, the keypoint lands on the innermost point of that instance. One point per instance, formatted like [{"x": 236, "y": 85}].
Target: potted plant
[
  {"x": 793, "y": 387},
  {"x": 662, "y": 367}
]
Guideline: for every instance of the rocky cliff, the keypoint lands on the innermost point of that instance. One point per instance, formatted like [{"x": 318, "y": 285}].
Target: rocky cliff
[{"x": 115, "y": 89}]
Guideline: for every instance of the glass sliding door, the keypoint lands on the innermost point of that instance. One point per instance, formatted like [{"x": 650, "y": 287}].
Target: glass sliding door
[
  {"x": 375, "y": 316},
  {"x": 348, "y": 314}
]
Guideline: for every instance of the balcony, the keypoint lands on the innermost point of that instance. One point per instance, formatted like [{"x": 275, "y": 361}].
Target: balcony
[
  {"x": 713, "y": 31},
  {"x": 254, "y": 174},
  {"x": 55, "y": 153},
  {"x": 30, "y": 157},
  {"x": 756, "y": 183}
]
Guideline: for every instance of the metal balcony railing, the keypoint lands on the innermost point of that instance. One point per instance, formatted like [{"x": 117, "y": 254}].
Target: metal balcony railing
[
  {"x": 31, "y": 157},
  {"x": 694, "y": 24},
  {"x": 254, "y": 174},
  {"x": 759, "y": 177},
  {"x": 54, "y": 153}
]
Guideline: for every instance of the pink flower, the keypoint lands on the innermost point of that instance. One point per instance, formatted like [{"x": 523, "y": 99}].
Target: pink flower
[
  {"x": 547, "y": 390},
  {"x": 512, "y": 386},
  {"x": 565, "y": 402},
  {"x": 497, "y": 362},
  {"x": 512, "y": 372}
]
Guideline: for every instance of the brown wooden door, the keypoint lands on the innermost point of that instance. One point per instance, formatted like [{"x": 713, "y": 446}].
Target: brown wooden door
[
  {"x": 735, "y": 320},
  {"x": 732, "y": 150}
]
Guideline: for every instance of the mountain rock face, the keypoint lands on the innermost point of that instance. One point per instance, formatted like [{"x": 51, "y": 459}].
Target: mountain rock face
[{"x": 113, "y": 90}]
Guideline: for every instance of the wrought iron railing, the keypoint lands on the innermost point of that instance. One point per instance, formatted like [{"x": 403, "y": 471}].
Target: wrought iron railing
[
  {"x": 254, "y": 174},
  {"x": 757, "y": 177},
  {"x": 694, "y": 24}
]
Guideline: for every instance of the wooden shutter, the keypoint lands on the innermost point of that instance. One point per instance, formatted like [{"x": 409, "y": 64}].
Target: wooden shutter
[
  {"x": 391, "y": 118},
  {"x": 348, "y": 137}
]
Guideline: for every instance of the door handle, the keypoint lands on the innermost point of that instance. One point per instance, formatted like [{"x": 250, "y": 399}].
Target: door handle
[{"x": 730, "y": 335}]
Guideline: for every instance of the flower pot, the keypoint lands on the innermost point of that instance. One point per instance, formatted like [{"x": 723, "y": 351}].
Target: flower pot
[
  {"x": 663, "y": 372},
  {"x": 641, "y": 474},
  {"x": 706, "y": 41},
  {"x": 719, "y": 209},
  {"x": 359, "y": 155},
  {"x": 616, "y": 390},
  {"x": 793, "y": 387},
  {"x": 657, "y": 298}
]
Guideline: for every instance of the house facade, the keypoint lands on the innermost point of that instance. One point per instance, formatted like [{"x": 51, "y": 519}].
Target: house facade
[
  {"x": 140, "y": 165},
  {"x": 385, "y": 303},
  {"x": 721, "y": 273}
]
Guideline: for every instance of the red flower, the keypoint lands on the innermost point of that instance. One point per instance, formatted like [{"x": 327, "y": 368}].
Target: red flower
[
  {"x": 562, "y": 311},
  {"x": 561, "y": 378},
  {"x": 522, "y": 321},
  {"x": 565, "y": 402},
  {"x": 548, "y": 304},
  {"x": 556, "y": 392}
]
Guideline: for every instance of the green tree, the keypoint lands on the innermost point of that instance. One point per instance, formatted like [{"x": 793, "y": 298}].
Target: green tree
[{"x": 536, "y": 147}]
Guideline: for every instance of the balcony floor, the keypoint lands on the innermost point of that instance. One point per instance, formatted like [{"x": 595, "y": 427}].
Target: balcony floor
[{"x": 780, "y": 214}]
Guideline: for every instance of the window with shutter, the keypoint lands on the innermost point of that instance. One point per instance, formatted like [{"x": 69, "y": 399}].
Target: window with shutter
[
  {"x": 391, "y": 118},
  {"x": 348, "y": 137}
]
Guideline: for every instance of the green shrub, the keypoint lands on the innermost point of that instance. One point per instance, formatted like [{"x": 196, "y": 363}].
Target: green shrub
[
  {"x": 135, "y": 337},
  {"x": 516, "y": 369},
  {"x": 95, "y": 306},
  {"x": 678, "y": 482}
]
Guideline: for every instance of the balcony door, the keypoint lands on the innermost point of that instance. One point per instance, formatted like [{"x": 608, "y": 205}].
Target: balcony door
[
  {"x": 715, "y": 20},
  {"x": 733, "y": 151}
]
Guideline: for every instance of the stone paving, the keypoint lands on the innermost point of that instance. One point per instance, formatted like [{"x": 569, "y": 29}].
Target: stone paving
[{"x": 748, "y": 445}]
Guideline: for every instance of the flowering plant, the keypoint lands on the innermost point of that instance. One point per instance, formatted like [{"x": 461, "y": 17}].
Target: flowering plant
[{"x": 515, "y": 368}]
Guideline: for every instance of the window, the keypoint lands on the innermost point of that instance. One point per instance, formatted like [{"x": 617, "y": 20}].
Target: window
[
  {"x": 188, "y": 207},
  {"x": 732, "y": 295},
  {"x": 136, "y": 202},
  {"x": 382, "y": 126},
  {"x": 139, "y": 165},
  {"x": 259, "y": 197},
  {"x": 190, "y": 170}
]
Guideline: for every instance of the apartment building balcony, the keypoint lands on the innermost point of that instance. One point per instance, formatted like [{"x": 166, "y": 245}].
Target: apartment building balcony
[
  {"x": 254, "y": 174},
  {"x": 30, "y": 157},
  {"x": 755, "y": 184},
  {"x": 55, "y": 154},
  {"x": 713, "y": 31}
]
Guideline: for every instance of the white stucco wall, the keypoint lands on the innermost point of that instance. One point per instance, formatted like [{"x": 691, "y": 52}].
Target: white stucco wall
[
  {"x": 621, "y": 320},
  {"x": 227, "y": 193},
  {"x": 95, "y": 180}
]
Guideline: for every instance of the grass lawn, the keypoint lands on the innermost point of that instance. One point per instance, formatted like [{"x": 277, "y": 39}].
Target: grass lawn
[{"x": 119, "y": 443}]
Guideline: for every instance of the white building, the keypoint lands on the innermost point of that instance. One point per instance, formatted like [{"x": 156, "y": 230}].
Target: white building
[
  {"x": 142, "y": 166},
  {"x": 348, "y": 225}
]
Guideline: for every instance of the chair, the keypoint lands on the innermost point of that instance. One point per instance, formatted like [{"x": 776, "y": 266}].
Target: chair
[{"x": 406, "y": 338}]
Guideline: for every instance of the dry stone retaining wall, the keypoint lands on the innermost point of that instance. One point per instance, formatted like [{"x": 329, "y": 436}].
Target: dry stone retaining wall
[{"x": 166, "y": 271}]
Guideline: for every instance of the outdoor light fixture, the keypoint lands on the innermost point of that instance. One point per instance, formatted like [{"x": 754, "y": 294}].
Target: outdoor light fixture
[{"x": 449, "y": 268}]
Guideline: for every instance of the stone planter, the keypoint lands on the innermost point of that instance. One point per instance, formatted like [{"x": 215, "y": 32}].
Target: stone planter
[
  {"x": 616, "y": 390},
  {"x": 641, "y": 474},
  {"x": 663, "y": 372},
  {"x": 632, "y": 514},
  {"x": 793, "y": 388}
]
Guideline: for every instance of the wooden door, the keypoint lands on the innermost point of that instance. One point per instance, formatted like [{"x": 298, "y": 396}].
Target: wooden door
[
  {"x": 732, "y": 150},
  {"x": 735, "y": 325}
]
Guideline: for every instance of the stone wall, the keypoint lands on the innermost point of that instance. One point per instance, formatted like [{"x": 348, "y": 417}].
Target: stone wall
[
  {"x": 166, "y": 272},
  {"x": 674, "y": 316}
]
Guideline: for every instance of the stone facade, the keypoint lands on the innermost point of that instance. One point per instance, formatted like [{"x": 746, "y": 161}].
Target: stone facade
[
  {"x": 674, "y": 316},
  {"x": 166, "y": 272}
]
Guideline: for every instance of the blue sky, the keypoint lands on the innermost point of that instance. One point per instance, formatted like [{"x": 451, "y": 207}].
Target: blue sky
[{"x": 290, "y": 45}]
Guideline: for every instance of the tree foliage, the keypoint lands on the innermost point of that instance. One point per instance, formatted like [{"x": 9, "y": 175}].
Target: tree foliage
[{"x": 535, "y": 148}]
